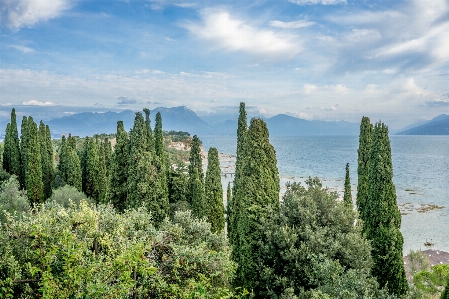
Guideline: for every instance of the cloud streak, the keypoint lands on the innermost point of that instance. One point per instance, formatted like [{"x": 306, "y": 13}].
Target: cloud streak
[{"x": 232, "y": 34}]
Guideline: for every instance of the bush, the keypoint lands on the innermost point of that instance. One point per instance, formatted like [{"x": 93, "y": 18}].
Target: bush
[
  {"x": 67, "y": 194},
  {"x": 13, "y": 201}
]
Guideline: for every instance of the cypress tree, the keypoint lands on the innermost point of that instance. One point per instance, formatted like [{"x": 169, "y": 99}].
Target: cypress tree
[
  {"x": 71, "y": 142},
  {"x": 363, "y": 165},
  {"x": 196, "y": 180},
  {"x": 107, "y": 155},
  {"x": 91, "y": 184},
  {"x": 228, "y": 206},
  {"x": 47, "y": 164},
  {"x": 102, "y": 176},
  {"x": 149, "y": 132},
  {"x": 242, "y": 128},
  {"x": 6, "y": 163},
  {"x": 214, "y": 192},
  {"x": 178, "y": 182},
  {"x": 50, "y": 156},
  {"x": 73, "y": 170},
  {"x": 138, "y": 145},
  {"x": 24, "y": 147},
  {"x": 62, "y": 166},
  {"x": 383, "y": 219},
  {"x": 160, "y": 151},
  {"x": 33, "y": 166},
  {"x": 12, "y": 147},
  {"x": 149, "y": 186},
  {"x": 347, "y": 197},
  {"x": 256, "y": 197},
  {"x": 119, "y": 169}
]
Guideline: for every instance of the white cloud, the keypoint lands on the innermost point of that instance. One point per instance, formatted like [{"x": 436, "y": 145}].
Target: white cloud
[
  {"x": 236, "y": 35},
  {"x": 22, "y": 49},
  {"x": 37, "y": 103},
  {"x": 313, "y": 2},
  {"x": 16, "y": 14},
  {"x": 291, "y": 25}
]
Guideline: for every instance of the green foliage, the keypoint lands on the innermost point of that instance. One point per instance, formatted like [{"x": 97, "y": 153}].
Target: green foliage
[
  {"x": 85, "y": 251},
  {"x": 148, "y": 131},
  {"x": 178, "y": 182},
  {"x": 12, "y": 199},
  {"x": 228, "y": 207},
  {"x": 46, "y": 158},
  {"x": 102, "y": 174},
  {"x": 256, "y": 196},
  {"x": 4, "y": 176},
  {"x": 242, "y": 128},
  {"x": 383, "y": 219},
  {"x": 433, "y": 281},
  {"x": 118, "y": 189},
  {"x": 159, "y": 138},
  {"x": 347, "y": 197},
  {"x": 365, "y": 140},
  {"x": 137, "y": 147},
  {"x": 24, "y": 140},
  {"x": 62, "y": 166},
  {"x": 68, "y": 195},
  {"x": 11, "y": 152},
  {"x": 418, "y": 261},
  {"x": 33, "y": 165},
  {"x": 108, "y": 156},
  {"x": 73, "y": 170},
  {"x": 196, "y": 180},
  {"x": 177, "y": 136},
  {"x": 214, "y": 192},
  {"x": 313, "y": 247},
  {"x": 91, "y": 184},
  {"x": 445, "y": 294}
]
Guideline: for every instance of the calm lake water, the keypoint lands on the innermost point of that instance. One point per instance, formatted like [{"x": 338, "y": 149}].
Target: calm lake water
[{"x": 420, "y": 174}]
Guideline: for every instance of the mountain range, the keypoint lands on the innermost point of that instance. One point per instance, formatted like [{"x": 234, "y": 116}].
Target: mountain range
[
  {"x": 184, "y": 119},
  {"x": 437, "y": 126}
]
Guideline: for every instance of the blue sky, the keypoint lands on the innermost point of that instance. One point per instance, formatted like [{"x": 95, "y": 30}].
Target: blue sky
[{"x": 314, "y": 59}]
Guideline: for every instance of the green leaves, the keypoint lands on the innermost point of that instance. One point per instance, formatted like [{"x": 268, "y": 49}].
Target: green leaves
[{"x": 214, "y": 192}]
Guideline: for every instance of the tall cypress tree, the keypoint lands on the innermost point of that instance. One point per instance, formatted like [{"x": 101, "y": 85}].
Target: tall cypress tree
[
  {"x": 347, "y": 197},
  {"x": 228, "y": 206},
  {"x": 365, "y": 140},
  {"x": 107, "y": 155},
  {"x": 71, "y": 142},
  {"x": 91, "y": 185},
  {"x": 383, "y": 219},
  {"x": 47, "y": 164},
  {"x": 149, "y": 132},
  {"x": 24, "y": 148},
  {"x": 11, "y": 154},
  {"x": 196, "y": 180},
  {"x": 214, "y": 192},
  {"x": 119, "y": 174},
  {"x": 33, "y": 166},
  {"x": 160, "y": 152},
  {"x": 62, "y": 166},
  {"x": 256, "y": 197},
  {"x": 233, "y": 210},
  {"x": 73, "y": 169},
  {"x": 102, "y": 175},
  {"x": 50, "y": 156},
  {"x": 138, "y": 146}
]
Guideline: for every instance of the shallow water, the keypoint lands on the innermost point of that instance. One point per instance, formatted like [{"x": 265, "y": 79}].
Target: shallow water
[{"x": 420, "y": 174}]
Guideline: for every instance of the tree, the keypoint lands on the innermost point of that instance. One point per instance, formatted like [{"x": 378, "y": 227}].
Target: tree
[
  {"x": 383, "y": 219},
  {"x": 232, "y": 209},
  {"x": 50, "y": 155},
  {"x": 228, "y": 206},
  {"x": 196, "y": 180},
  {"x": 62, "y": 166},
  {"x": 313, "y": 247},
  {"x": 214, "y": 192},
  {"x": 24, "y": 147},
  {"x": 347, "y": 197},
  {"x": 73, "y": 170},
  {"x": 11, "y": 153},
  {"x": 91, "y": 184},
  {"x": 47, "y": 159},
  {"x": 445, "y": 294},
  {"x": 363, "y": 165},
  {"x": 119, "y": 170},
  {"x": 108, "y": 155},
  {"x": 33, "y": 166},
  {"x": 149, "y": 132},
  {"x": 256, "y": 197},
  {"x": 102, "y": 174},
  {"x": 160, "y": 151},
  {"x": 137, "y": 146}
]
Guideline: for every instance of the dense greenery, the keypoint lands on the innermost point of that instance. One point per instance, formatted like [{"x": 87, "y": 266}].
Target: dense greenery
[
  {"x": 383, "y": 219},
  {"x": 130, "y": 219},
  {"x": 214, "y": 192}
]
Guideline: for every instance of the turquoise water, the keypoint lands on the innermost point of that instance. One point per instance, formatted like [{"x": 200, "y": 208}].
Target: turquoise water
[{"x": 420, "y": 174}]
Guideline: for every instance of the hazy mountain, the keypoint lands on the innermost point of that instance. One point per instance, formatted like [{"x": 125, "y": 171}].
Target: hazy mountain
[
  {"x": 437, "y": 126},
  {"x": 184, "y": 119}
]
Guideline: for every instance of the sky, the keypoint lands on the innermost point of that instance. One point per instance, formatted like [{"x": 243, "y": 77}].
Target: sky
[{"x": 313, "y": 59}]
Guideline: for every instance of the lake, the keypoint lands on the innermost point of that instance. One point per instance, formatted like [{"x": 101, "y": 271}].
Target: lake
[{"x": 420, "y": 174}]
